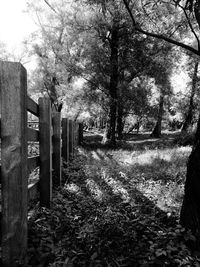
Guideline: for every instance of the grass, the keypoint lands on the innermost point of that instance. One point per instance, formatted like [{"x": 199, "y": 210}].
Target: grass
[
  {"x": 156, "y": 167},
  {"x": 119, "y": 207}
]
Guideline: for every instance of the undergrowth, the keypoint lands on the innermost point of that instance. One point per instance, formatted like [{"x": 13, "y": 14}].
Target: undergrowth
[{"x": 117, "y": 208}]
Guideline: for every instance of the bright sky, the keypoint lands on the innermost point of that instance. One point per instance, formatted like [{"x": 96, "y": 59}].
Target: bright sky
[{"x": 15, "y": 23}]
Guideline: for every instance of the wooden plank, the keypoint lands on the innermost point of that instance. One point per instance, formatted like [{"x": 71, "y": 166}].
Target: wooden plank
[
  {"x": 33, "y": 190},
  {"x": 33, "y": 162},
  {"x": 71, "y": 136},
  {"x": 13, "y": 84},
  {"x": 56, "y": 121},
  {"x": 45, "y": 152},
  {"x": 33, "y": 135},
  {"x": 65, "y": 139},
  {"x": 32, "y": 107}
]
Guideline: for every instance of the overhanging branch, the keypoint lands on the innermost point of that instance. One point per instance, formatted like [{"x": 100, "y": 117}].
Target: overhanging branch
[
  {"x": 51, "y": 7},
  {"x": 158, "y": 36}
]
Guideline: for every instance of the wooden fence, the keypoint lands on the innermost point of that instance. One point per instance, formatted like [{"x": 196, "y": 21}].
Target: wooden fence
[{"x": 15, "y": 163}]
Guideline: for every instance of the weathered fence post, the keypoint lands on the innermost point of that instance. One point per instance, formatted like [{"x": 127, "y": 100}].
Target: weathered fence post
[
  {"x": 80, "y": 134},
  {"x": 45, "y": 152},
  {"x": 56, "y": 120},
  {"x": 71, "y": 141},
  {"x": 13, "y": 88},
  {"x": 65, "y": 139},
  {"x": 76, "y": 133}
]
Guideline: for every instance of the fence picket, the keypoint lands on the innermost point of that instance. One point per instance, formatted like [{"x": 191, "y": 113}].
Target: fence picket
[
  {"x": 57, "y": 148},
  {"x": 80, "y": 134},
  {"x": 14, "y": 163},
  {"x": 71, "y": 141},
  {"x": 45, "y": 152},
  {"x": 65, "y": 139}
]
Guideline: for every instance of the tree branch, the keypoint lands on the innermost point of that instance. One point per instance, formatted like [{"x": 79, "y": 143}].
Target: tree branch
[
  {"x": 51, "y": 7},
  {"x": 190, "y": 25},
  {"x": 159, "y": 36}
]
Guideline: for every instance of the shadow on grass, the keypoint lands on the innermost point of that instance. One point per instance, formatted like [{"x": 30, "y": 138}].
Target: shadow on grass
[
  {"x": 121, "y": 226},
  {"x": 141, "y": 141},
  {"x": 101, "y": 219}
]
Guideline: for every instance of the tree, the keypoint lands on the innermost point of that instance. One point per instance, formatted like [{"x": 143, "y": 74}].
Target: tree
[
  {"x": 190, "y": 212},
  {"x": 104, "y": 59},
  {"x": 161, "y": 72},
  {"x": 93, "y": 42},
  {"x": 141, "y": 101},
  {"x": 58, "y": 47},
  {"x": 136, "y": 56},
  {"x": 188, "y": 122},
  {"x": 19, "y": 56}
]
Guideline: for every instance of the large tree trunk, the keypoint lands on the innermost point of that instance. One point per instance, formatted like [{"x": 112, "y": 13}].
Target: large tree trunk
[
  {"x": 190, "y": 211},
  {"x": 120, "y": 124},
  {"x": 189, "y": 117},
  {"x": 157, "y": 129},
  {"x": 112, "y": 124},
  {"x": 114, "y": 46}
]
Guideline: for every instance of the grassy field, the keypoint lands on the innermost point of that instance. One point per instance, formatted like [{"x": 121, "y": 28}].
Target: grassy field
[
  {"x": 119, "y": 207},
  {"x": 156, "y": 167}
]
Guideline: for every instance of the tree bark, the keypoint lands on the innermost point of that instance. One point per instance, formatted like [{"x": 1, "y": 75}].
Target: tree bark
[
  {"x": 190, "y": 211},
  {"x": 120, "y": 124},
  {"x": 114, "y": 77},
  {"x": 157, "y": 129},
  {"x": 188, "y": 120}
]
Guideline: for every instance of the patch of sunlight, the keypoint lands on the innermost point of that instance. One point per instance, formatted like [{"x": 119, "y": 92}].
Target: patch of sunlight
[
  {"x": 101, "y": 152},
  {"x": 95, "y": 155},
  {"x": 72, "y": 188},
  {"x": 143, "y": 141},
  {"x": 116, "y": 186},
  {"x": 149, "y": 156},
  {"x": 101, "y": 155},
  {"x": 165, "y": 196},
  {"x": 82, "y": 151},
  {"x": 96, "y": 193},
  {"x": 184, "y": 150}
]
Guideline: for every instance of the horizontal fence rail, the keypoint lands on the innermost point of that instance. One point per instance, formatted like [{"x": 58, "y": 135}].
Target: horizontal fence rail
[{"x": 56, "y": 139}]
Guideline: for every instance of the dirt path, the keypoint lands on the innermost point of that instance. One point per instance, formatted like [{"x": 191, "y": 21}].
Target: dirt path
[{"x": 118, "y": 208}]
